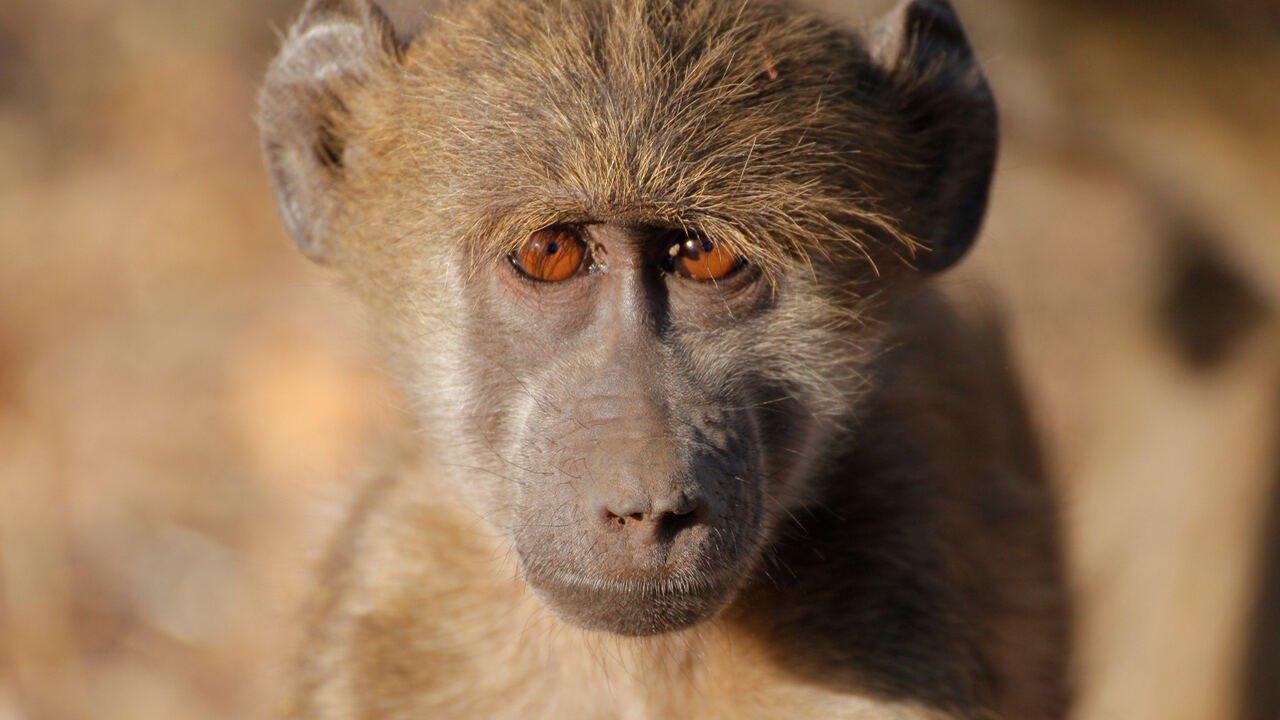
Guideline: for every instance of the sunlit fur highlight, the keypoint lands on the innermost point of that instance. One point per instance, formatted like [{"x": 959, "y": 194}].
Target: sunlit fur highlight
[
  {"x": 653, "y": 112},
  {"x": 759, "y": 125},
  {"x": 510, "y": 117}
]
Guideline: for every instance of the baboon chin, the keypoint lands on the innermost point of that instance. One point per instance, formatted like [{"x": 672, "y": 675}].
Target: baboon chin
[
  {"x": 656, "y": 277},
  {"x": 639, "y": 471}
]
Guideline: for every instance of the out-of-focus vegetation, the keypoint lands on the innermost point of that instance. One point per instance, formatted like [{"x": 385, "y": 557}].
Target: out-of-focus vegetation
[{"x": 185, "y": 402}]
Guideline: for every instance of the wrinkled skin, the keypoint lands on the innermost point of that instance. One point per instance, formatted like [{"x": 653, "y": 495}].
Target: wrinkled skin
[
  {"x": 636, "y": 433},
  {"x": 652, "y": 449},
  {"x": 639, "y": 468}
]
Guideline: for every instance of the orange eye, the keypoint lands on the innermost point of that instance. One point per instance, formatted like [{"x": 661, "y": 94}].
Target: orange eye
[
  {"x": 552, "y": 254},
  {"x": 701, "y": 259}
]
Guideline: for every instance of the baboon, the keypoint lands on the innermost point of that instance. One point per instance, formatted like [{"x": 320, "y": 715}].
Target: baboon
[{"x": 695, "y": 435}]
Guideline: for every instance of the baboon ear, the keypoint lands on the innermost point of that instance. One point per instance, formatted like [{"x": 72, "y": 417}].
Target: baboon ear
[
  {"x": 949, "y": 117},
  {"x": 332, "y": 48}
]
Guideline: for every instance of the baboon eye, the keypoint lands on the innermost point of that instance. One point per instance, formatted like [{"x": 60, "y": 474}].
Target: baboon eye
[
  {"x": 698, "y": 258},
  {"x": 552, "y": 254}
]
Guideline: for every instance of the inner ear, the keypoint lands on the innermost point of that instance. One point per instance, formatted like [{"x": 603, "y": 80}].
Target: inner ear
[
  {"x": 948, "y": 120},
  {"x": 329, "y": 148}
]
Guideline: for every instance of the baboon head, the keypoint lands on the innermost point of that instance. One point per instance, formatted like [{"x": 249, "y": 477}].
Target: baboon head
[{"x": 633, "y": 256}]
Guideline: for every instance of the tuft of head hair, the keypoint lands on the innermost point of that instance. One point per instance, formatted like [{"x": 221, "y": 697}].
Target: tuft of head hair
[
  {"x": 746, "y": 121},
  {"x": 781, "y": 135}
]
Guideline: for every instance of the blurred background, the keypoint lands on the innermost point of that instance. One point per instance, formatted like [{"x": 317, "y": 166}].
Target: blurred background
[{"x": 185, "y": 402}]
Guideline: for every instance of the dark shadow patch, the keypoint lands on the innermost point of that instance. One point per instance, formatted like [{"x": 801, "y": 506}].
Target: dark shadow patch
[
  {"x": 1261, "y": 681},
  {"x": 934, "y": 529},
  {"x": 1207, "y": 308},
  {"x": 15, "y": 66}
]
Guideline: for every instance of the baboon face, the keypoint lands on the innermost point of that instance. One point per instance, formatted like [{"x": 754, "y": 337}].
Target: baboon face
[
  {"x": 631, "y": 255},
  {"x": 642, "y": 436}
]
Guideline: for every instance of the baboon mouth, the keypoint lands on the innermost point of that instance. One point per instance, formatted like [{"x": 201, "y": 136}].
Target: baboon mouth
[{"x": 636, "y": 607}]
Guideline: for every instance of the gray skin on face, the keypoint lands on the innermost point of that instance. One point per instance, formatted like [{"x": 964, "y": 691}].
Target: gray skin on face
[
  {"x": 638, "y": 467},
  {"x": 813, "y": 453},
  {"x": 638, "y": 434}
]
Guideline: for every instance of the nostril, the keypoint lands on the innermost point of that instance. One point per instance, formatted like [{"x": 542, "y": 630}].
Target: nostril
[
  {"x": 680, "y": 513},
  {"x": 662, "y": 520},
  {"x": 677, "y": 505},
  {"x": 685, "y": 509},
  {"x": 673, "y": 522},
  {"x": 625, "y": 508}
]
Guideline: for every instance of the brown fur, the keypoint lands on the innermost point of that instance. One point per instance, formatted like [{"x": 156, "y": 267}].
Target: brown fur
[
  {"x": 424, "y": 615},
  {"x": 871, "y": 468}
]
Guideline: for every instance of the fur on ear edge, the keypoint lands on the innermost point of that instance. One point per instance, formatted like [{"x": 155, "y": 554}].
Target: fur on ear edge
[
  {"x": 951, "y": 118},
  {"x": 330, "y": 49}
]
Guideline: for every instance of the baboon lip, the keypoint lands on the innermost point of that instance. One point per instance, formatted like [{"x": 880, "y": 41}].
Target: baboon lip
[
  {"x": 637, "y": 607},
  {"x": 640, "y": 589}
]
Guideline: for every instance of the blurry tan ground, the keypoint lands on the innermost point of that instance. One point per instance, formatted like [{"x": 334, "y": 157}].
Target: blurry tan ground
[
  {"x": 178, "y": 393},
  {"x": 184, "y": 401}
]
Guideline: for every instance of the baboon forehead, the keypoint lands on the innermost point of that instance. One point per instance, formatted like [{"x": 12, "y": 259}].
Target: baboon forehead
[{"x": 674, "y": 108}]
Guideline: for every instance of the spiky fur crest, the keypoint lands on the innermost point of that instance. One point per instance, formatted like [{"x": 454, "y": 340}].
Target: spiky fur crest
[
  {"x": 684, "y": 129},
  {"x": 761, "y": 126}
]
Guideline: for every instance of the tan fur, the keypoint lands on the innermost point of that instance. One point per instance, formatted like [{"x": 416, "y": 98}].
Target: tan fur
[
  {"x": 906, "y": 565},
  {"x": 486, "y": 648},
  {"x": 424, "y": 614}
]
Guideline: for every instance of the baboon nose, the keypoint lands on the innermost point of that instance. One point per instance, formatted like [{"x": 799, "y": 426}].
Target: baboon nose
[{"x": 651, "y": 520}]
